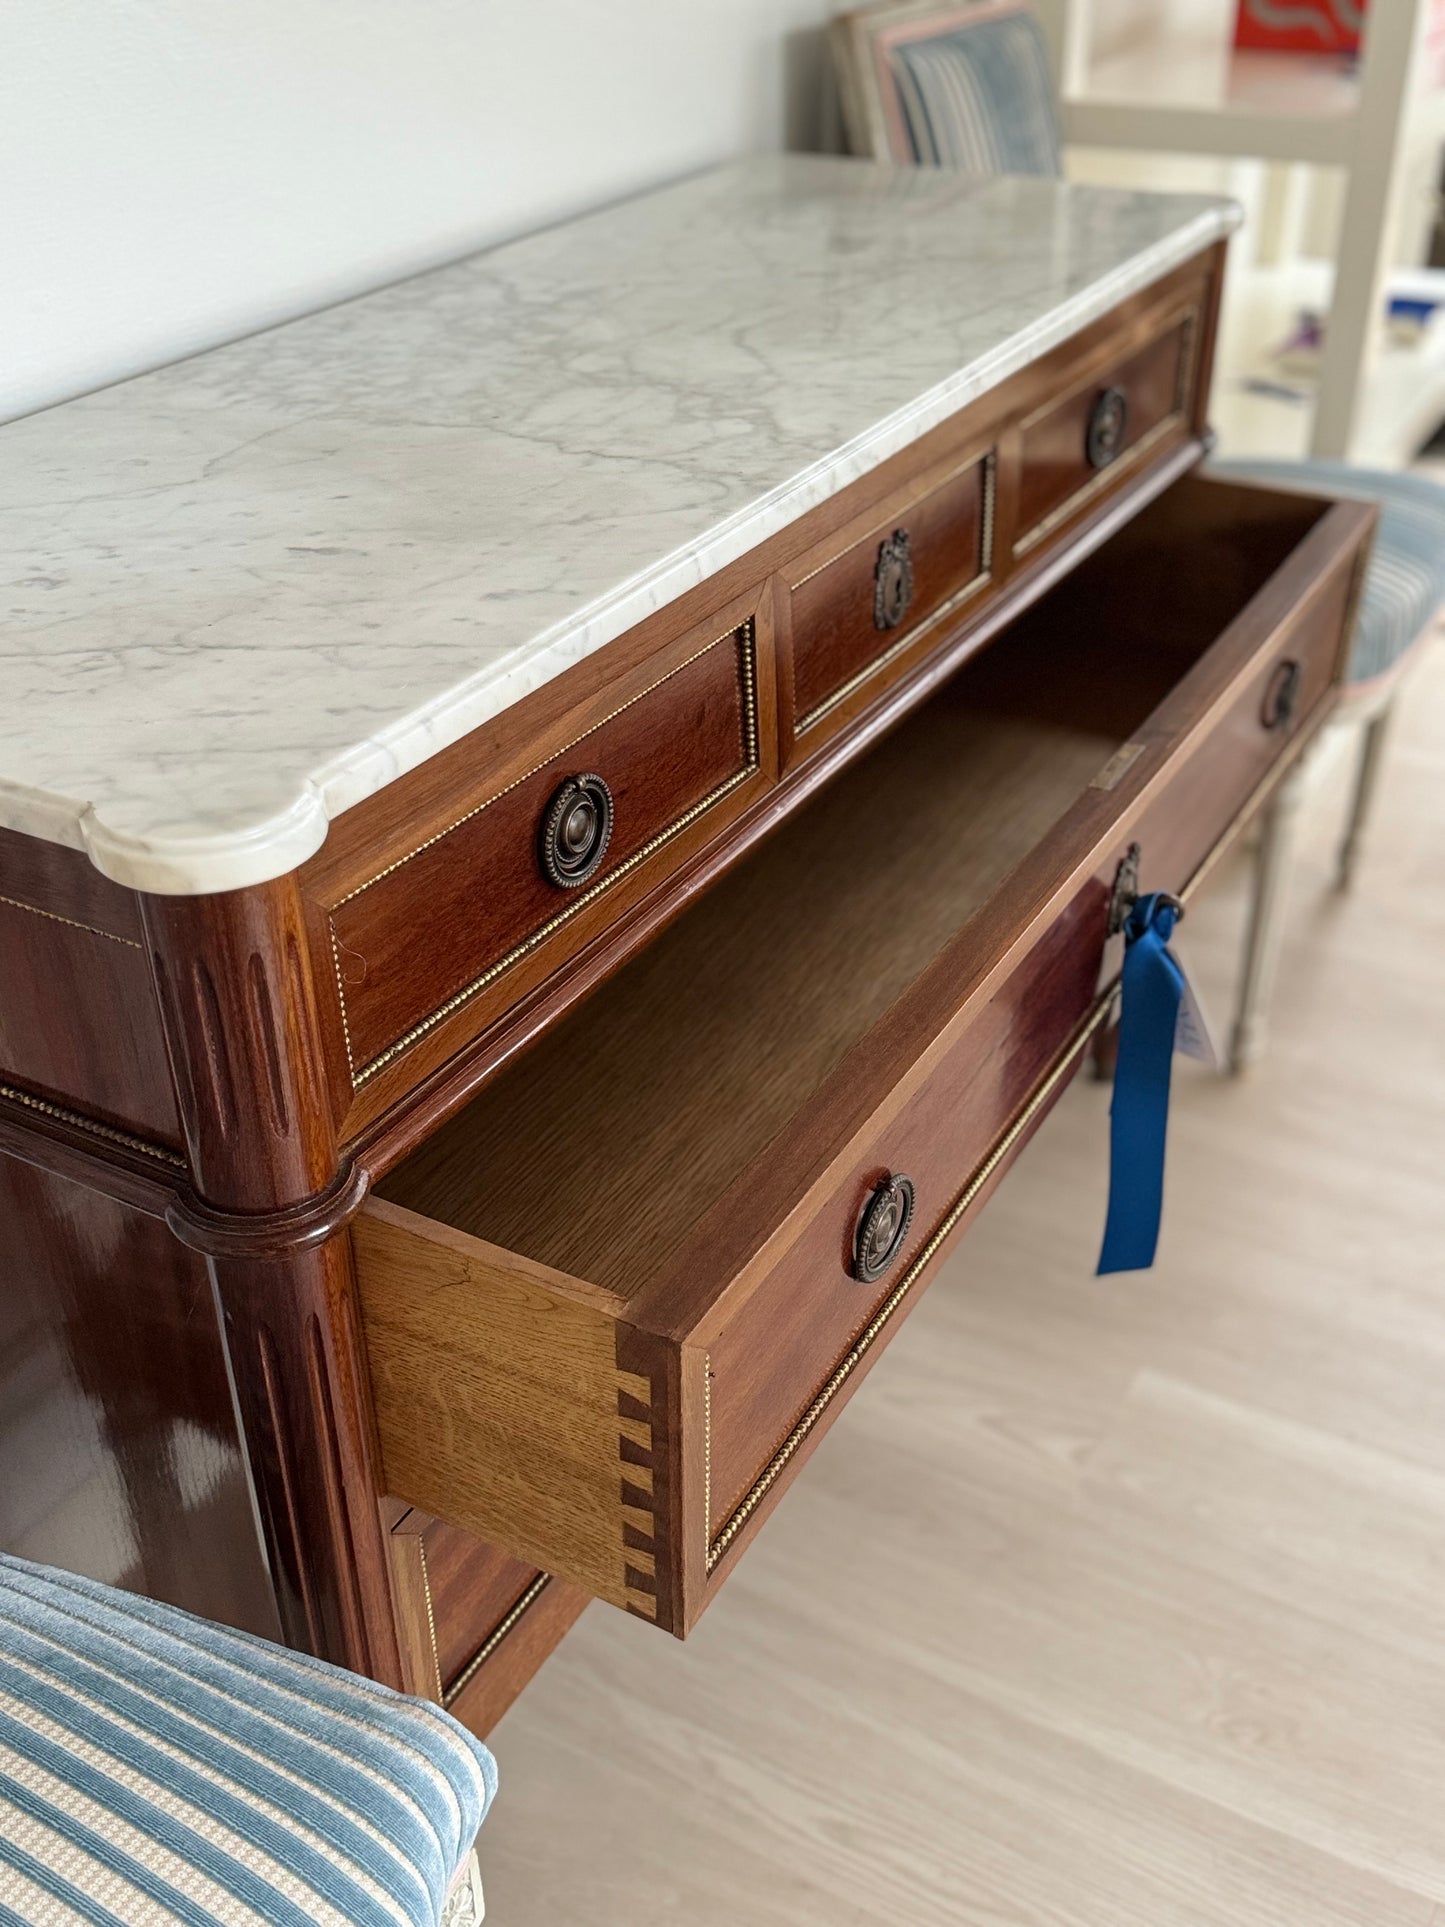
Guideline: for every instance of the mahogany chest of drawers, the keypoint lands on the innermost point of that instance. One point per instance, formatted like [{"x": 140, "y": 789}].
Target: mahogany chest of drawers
[{"x": 483, "y": 1202}]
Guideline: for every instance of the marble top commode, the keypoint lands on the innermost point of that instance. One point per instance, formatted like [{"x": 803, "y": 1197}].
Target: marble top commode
[{"x": 251, "y": 589}]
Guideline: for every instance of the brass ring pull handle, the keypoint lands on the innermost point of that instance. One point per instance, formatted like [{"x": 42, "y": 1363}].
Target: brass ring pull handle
[
  {"x": 882, "y": 1229},
  {"x": 576, "y": 829},
  {"x": 1108, "y": 424},
  {"x": 1281, "y": 698},
  {"x": 892, "y": 581}
]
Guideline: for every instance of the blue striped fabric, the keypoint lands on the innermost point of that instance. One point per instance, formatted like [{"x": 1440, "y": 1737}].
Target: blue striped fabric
[
  {"x": 979, "y": 97},
  {"x": 154, "y": 1767},
  {"x": 1405, "y": 578}
]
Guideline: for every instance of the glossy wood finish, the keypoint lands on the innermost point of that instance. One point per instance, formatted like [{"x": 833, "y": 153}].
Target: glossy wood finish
[
  {"x": 118, "y": 1437},
  {"x": 627, "y": 1265},
  {"x": 78, "y": 1020},
  {"x": 277, "y": 1047},
  {"x": 423, "y": 936},
  {"x": 233, "y": 978}
]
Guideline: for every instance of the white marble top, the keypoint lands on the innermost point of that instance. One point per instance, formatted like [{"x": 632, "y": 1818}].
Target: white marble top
[{"x": 249, "y": 590}]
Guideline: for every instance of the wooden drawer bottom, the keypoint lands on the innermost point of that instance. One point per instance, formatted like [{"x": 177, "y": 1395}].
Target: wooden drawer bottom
[{"x": 612, "y": 1305}]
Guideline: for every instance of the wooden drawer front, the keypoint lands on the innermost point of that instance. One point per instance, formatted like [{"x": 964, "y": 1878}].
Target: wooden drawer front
[
  {"x": 440, "y": 925},
  {"x": 848, "y": 617},
  {"x": 1182, "y": 783},
  {"x": 792, "y": 1349},
  {"x": 611, "y": 1306},
  {"x": 474, "y": 1623},
  {"x": 80, "y": 1028},
  {"x": 1067, "y": 456}
]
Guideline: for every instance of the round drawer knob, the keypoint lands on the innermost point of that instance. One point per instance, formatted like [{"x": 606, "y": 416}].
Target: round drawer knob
[
  {"x": 882, "y": 1229},
  {"x": 1108, "y": 421},
  {"x": 1281, "y": 698},
  {"x": 892, "y": 581},
  {"x": 576, "y": 829}
]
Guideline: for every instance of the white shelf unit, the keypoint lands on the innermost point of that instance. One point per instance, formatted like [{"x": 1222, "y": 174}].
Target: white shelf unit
[
  {"x": 1173, "y": 84},
  {"x": 1192, "y": 93},
  {"x": 1404, "y": 391}
]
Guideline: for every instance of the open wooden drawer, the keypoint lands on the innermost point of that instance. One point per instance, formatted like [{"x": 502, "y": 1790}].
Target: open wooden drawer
[{"x": 611, "y": 1306}]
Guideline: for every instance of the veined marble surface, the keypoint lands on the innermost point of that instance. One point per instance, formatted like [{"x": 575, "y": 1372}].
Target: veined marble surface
[{"x": 251, "y": 589}]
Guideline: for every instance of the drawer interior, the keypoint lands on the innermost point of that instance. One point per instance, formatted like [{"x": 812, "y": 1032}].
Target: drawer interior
[{"x": 600, "y": 1148}]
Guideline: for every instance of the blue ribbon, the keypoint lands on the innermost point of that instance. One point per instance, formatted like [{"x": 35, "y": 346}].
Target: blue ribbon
[{"x": 1152, "y": 986}]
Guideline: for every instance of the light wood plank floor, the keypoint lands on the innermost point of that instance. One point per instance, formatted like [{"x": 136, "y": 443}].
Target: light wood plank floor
[{"x": 1108, "y": 1603}]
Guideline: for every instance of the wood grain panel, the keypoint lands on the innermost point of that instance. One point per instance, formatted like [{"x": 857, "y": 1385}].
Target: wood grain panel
[
  {"x": 1056, "y": 477},
  {"x": 496, "y": 1390},
  {"x": 770, "y": 1361},
  {"x": 440, "y": 924},
  {"x": 474, "y": 1623},
  {"x": 836, "y": 642},
  {"x": 120, "y": 1453},
  {"x": 896, "y": 980},
  {"x": 78, "y": 1019},
  {"x": 598, "y": 1152}
]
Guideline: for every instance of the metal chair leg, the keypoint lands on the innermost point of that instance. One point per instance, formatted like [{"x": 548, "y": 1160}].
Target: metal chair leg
[
  {"x": 1274, "y": 865},
  {"x": 1367, "y": 776}
]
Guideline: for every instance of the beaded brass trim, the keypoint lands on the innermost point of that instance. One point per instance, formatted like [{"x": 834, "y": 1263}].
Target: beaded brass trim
[
  {"x": 1060, "y": 1068},
  {"x": 707, "y": 1449},
  {"x": 495, "y": 1637},
  {"x": 92, "y": 1126},
  {"x": 431, "y": 1622},
  {"x": 72, "y": 923},
  {"x": 745, "y": 637}
]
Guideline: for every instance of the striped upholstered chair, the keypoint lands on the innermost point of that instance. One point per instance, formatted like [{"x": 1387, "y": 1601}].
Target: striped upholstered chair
[
  {"x": 967, "y": 87},
  {"x": 154, "y": 1768},
  {"x": 928, "y": 83}
]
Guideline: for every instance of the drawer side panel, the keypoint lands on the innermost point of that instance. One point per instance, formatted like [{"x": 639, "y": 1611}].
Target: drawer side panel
[{"x": 498, "y": 1397}]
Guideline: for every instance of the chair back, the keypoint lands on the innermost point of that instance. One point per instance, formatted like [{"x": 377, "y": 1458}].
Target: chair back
[{"x": 961, "y": 86}]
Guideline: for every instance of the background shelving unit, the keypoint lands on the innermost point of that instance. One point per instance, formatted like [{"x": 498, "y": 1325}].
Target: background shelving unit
[{"x": 1351, "y": 149}]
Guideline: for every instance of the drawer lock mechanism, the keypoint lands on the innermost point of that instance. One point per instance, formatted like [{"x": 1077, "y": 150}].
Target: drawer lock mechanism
[
  {"x": 882, "y": 1229},
  {"x": 576, "y": 829}
]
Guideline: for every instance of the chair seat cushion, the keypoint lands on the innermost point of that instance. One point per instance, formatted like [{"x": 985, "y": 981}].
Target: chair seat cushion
[
  {"x": 1405, "y": 579},
  {"x": 156, "y": 1767}
]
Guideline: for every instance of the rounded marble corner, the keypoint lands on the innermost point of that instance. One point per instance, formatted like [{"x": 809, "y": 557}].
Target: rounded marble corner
[{"x": 206, "y": 864}]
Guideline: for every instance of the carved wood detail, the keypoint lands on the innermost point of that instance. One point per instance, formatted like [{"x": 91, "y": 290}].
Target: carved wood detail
[{"x": 270, "y": 1196}]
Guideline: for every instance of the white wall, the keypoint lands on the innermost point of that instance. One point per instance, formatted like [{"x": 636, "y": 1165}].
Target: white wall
[{"x": 177, "y": 172}]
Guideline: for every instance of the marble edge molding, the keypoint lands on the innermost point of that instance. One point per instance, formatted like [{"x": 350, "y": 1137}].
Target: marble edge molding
[{"x": 271, "y": 846}]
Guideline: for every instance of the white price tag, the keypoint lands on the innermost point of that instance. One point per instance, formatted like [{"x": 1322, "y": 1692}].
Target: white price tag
[{"x": 1193, "y": 1034}]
